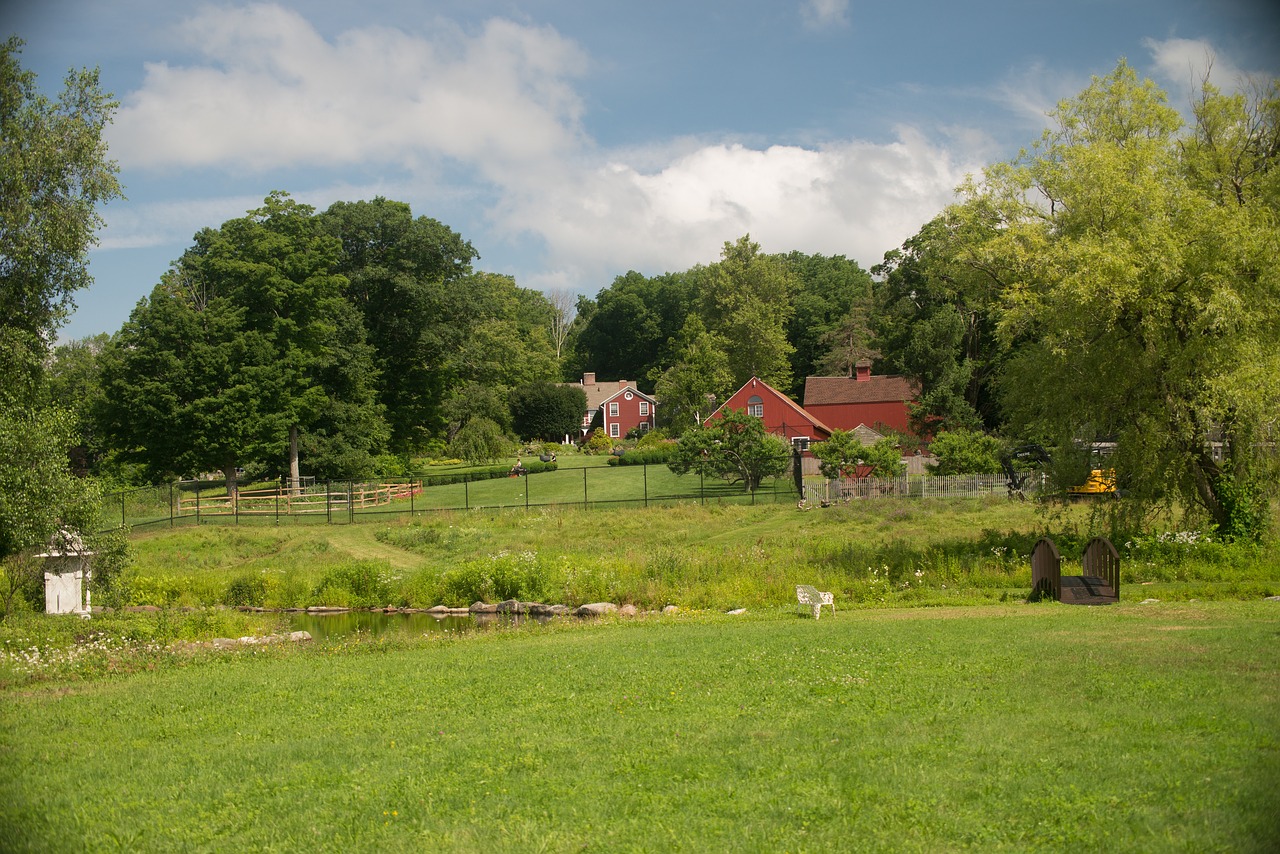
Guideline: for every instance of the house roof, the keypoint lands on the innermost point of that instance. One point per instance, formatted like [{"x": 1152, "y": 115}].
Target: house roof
[
  {"x": 631, "y": 389},
  {"x": 866, "y": 436},
  {"x": 819, "y": 391},
  {"x": 599, "y": 393},
  {"x": 782, "y": 398}
]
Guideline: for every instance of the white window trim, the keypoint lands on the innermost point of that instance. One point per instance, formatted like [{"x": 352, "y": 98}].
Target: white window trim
[
  {"x": 644, "y": 407},
  {"x": 613, "y": 430},
  {"x": 613, "y": 409}
]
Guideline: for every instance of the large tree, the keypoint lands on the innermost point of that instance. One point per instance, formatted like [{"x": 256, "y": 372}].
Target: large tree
[
  {"x": 735, "y": 447},
  {"x": 747, "y": 299},
  {"x": 697, "y": 382},
  {"x": 1141, "y": 268},
  {"x": 54, "y": 173},
  {"x": 399, "y": 270},
  {"x": 247, "y": 352}
]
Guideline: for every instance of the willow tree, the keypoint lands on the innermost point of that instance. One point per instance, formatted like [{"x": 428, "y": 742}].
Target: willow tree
[{"x": 1140, "y": 271}]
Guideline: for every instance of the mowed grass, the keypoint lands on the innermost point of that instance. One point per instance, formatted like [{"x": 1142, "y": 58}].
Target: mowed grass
[{"x": 1019, "y": 727}]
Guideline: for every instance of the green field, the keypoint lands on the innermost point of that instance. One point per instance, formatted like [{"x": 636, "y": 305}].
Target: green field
[
  {"x": 936, "y": 710},
  {"x": 1047, "y": 727}
]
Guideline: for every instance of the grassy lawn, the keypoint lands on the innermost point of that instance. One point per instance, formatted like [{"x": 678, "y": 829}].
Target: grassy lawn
[
  {"x": 899, "y": 552},
  {"x": 1007, "y": 727}
]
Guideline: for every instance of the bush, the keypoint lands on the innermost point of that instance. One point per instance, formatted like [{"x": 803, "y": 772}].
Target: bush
[
  {"x": 356, "y": 584},
  {"x": 489, "y": 473},
  {"x": 966, "y": 452},
  {"x": 597, "y": 443},
  {"x": 499, "y": 577},
  {"x": 653, "y": 455},
  {"x": 248, "y": 590}
]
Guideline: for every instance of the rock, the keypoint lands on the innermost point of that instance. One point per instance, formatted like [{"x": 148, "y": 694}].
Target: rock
[
  {"x": 482, "y": 608},
  {"x": 596, "y": 609},
  {"x": 558, "y": 610},
  {"x": 298, "y": 637},
  {"x": 628, "y": 610},
  {"x": 1272, "y": 599},
  {"x": 736, "y": 611},
  {"x": 440, "y": 609},
  {"x": 510, "y": 606},
  {"x": 670, "y": 609},
  {"x": 327, "y": 609},
  {"x": 225, "y": 643},
  {"x": 537, "y": 609},
  {"x": 1149, "y": 602}
]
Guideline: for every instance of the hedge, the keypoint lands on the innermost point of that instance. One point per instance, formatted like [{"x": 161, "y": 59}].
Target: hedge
[
  {"x": 643, "y": 456},
  {"x": 488, "y": 473}
]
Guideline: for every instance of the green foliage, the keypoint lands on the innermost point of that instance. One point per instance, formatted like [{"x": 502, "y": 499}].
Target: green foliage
[
  {"x": 480, "y": 441},
  {"x": 842, "y": 455},
  {"x": 746, "y": 299},
  {"x": 651, "y": 455},
  {"x": 1141, "y": 307},
  {"x": 499, "y": 577},
  {"x": 735, "y": 447},
  {"x": 698, "y": 381},
  {"x": 597, "y": 443},
  {"x": 248, "y": 337},
  {"x": 966, "y": 452},
  {"x": 54, "y": 173},
  {"x": 246, "y": 590},
  {"x": 547, "y": 411},
  {"x": 354, "y": 584}
]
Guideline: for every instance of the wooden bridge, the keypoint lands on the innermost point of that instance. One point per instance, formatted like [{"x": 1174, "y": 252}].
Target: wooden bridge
[{"x": 1098, "y": 583}]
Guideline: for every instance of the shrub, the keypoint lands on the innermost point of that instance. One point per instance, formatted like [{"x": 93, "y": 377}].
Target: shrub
[
  {"x": 597, "y": 443},
  {"x": 499, "y": 577},
  {"x": 248, "y": 590},
  {"x": 652, "y": 455},
  {"x": 355, "y": 584}
]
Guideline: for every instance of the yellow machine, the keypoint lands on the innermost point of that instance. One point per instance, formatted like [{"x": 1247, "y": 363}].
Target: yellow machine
[{"x": 1100, "y": 482}]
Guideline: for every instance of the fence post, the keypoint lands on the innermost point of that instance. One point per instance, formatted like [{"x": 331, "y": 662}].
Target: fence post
[
  {"x": 328, "y": 502},
  {"x": 171, "y": 503},
  {"x": 351, "y": 508},
  {"x": 645, "y": 468},
  {"x": 585, "y": 500},
  {"x": 122, "y": 508},
  {"x": 197, "y": 503},
  {"x": 411, "y": 492},
  {"x": 466, "y": 491},
  {"x": 526, "y": 491},
  {"x": 702, "y": 488},
  {"x": 279, "y": 489}
]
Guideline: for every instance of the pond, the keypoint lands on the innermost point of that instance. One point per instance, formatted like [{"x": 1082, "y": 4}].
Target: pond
[{"x": 343, "y": 623}]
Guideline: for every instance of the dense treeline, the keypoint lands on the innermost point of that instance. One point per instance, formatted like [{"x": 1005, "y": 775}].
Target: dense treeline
[{"x": 1117, "y": 283}]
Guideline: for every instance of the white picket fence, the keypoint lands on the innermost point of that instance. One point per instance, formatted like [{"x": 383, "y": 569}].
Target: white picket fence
[{"x": 908, "y": 486}]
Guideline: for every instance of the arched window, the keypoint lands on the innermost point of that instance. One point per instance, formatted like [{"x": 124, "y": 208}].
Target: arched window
[{"x": 755, "y": 406}]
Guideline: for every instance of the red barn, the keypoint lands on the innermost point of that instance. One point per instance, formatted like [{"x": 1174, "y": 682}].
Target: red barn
[
  {"x": 782, "y": 416},
  {"x": 847, "y": 402}
]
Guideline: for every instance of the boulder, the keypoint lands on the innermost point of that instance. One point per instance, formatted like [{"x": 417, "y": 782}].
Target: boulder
[
  {"x": 510, "y": 606},
  {"x": 482, "y": 608},
  {"x": 558, "y": 610},
  {"x": 439, "y": 609},
  {"x": 736, "y": 611},
  {"x": 596, "y": 609},
  {"x": 628, "y": 610},
  {"x": 298, "y": 637},
  {"x": 670, "y": 609}
]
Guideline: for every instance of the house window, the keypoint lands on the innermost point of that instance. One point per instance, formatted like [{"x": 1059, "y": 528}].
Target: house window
[
  {"x": 644, "y": 407},
  {"x": 613, "y": 430},
  {"x": 755, "y": 406},
  {"x": 613, "y": 409}
]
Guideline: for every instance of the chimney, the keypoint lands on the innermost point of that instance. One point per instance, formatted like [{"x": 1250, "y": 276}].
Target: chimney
[
  {"x": 588, "y": 379},
  {"x": 623, "y": 383},
  {"x": 864, "y": 371}
]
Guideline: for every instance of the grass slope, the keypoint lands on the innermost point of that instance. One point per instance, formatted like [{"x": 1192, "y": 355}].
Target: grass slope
[{"x": 1047, "y": 727}]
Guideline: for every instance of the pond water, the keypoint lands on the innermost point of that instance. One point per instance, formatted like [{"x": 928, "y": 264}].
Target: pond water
[{"x": 341, "y": 624}]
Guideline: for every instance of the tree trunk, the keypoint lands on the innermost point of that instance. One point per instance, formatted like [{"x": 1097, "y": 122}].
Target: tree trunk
[
  {"x": 295, "y": 479},
  {"x": 233, "y": 489}
]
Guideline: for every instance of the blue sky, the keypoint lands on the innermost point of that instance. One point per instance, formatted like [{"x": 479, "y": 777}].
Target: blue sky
[{"x": 570, "y": 140}]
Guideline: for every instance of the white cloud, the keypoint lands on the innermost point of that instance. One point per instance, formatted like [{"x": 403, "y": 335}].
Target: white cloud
[
  {"x": 272, "y": 92},
  {"x": 1184, "y": 64},
  {"x": 852, "y": 198},
  {"x": 822, "y": 14}
]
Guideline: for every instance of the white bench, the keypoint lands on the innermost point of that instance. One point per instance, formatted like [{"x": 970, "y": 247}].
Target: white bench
[{"x": 808, "y": 595}]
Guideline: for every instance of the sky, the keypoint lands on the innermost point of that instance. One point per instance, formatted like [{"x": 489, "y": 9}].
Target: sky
[{"x": 573, "y": 140}]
